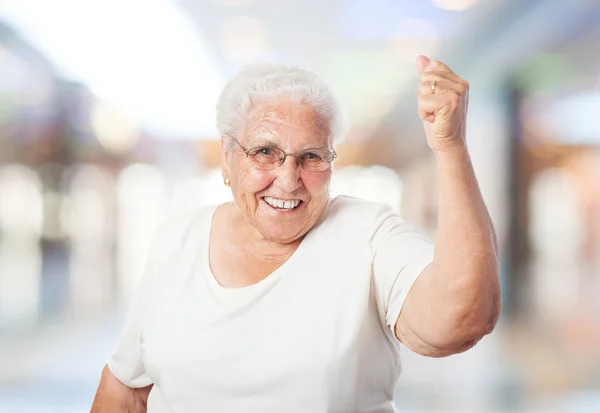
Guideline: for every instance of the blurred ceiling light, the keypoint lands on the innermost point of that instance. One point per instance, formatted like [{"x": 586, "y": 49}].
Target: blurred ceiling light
[
  {"x": 454, "y": 5},
  {"x": 244, "y": 38},
  {"x": 145, "y": 58},
  {"x": 114, "y": 131}
]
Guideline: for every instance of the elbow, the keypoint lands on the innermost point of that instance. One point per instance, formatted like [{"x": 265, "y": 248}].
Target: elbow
[
  {"x": 461, "y": 332},
  {"x": 466, "y": 312},
  {"x": 471, "y": 327},
  {"x": 477, "y": 315}
]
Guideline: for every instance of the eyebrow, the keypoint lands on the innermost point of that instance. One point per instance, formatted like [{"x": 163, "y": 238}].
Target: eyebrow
[{"x": 264, "y": 141}]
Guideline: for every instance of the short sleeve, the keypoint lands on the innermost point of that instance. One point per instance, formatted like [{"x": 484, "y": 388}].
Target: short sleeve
[
  {"x": 400, "y": 253},
  {"x": 126, "y": 362}
]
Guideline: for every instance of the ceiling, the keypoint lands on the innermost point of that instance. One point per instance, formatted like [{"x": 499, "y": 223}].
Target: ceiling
[{"x": 172, "y": 63}]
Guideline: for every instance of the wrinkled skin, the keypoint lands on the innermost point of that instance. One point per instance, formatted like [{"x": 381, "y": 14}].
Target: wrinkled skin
[{"x": 292, "y": 127}]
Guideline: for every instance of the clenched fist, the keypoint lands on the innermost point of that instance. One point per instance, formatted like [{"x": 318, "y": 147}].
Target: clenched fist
[{"x": 443, "y": 98}]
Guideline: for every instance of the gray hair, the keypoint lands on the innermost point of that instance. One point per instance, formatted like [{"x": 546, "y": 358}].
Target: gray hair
[{"x": 261, "y": 81}]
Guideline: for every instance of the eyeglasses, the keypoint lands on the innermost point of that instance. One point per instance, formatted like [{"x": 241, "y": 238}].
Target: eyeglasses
[{"x": 267, "y": 158}]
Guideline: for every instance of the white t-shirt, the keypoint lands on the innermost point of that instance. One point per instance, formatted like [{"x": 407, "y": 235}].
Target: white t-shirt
[{"x": 314, "y": 336}]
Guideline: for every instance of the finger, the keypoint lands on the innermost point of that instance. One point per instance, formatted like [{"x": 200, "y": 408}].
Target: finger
[
  {"x": 441, "y": 85},
  {"x": 451, "y": 77},
  {"x": 436, "y": 65},
  {"x": 422, "y": 61},
  {"x": 428, "y": 105},
  {"x": 431, "y": 105}
]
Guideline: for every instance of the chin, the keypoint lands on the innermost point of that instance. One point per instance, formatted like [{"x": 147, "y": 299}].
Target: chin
[
  {"x": 285, "y": 226},
  {"x": 282, "y": 235}
]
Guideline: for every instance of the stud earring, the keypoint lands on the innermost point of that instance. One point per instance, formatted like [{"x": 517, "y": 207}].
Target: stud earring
[{"x": 227, "y": 182}]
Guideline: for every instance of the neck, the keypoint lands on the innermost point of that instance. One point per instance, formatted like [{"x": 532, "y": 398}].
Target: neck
[{"x": 256, "y": 245}]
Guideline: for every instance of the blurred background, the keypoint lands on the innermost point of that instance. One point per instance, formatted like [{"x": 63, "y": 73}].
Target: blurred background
[{"x": 107, "y": 128}]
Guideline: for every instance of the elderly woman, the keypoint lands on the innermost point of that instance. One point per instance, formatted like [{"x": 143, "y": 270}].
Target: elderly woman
[{"x": 286, "y": 300}]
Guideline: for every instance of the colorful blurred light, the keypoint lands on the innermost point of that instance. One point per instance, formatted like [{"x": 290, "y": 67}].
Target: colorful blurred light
[
  {"x": 145, "y": 58},
  {"x": 114, "y": 131}
]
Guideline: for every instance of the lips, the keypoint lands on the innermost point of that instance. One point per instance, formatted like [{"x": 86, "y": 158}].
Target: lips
[{"x": 287, "y": 204}]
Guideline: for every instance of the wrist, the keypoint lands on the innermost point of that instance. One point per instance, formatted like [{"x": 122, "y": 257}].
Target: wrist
[
  {"x": 453, "y": 148},
  {"x": 454, "y": 163}
]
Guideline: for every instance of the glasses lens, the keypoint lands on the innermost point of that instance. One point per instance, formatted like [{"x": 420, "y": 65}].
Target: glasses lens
[
  {"x": 316, "y": 159},
  {"x": 266, "y": 157}
]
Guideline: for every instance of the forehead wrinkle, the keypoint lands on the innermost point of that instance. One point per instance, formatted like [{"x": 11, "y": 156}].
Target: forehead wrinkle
[
  {"x": 270, "y": 121},
  {"x": 263, "y": 141},
  {"x": 261, "y": 134},
  {"x": 263, "y": 123}
]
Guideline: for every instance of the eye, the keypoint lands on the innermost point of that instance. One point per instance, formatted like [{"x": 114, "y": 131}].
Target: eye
[
  {"x": 266, "y": 155},
  {"x": 312, "y": 156},
  {"x": 263, "y": 152}
]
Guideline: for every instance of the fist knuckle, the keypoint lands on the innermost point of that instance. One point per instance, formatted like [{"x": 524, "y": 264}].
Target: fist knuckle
[{"x": 455, "y": 99}]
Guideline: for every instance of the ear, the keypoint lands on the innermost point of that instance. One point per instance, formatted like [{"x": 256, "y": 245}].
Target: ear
[{"x": 225, "y": 171}]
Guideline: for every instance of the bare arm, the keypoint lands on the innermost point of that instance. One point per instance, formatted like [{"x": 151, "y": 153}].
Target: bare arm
[
  {"x": 113, "y": 396},
  {"x": 456, "y": 300}
]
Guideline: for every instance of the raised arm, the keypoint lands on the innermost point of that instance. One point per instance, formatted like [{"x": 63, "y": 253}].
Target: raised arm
[
  {"x": 456, "y": 300},
  {"x": 113, "y": 396}
]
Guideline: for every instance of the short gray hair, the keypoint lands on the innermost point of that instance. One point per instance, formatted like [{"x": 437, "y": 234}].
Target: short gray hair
[{"x": 261, "y": 81}]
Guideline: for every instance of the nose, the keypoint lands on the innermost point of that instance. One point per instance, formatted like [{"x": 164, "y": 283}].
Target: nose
[{"x": 288, "y": 175}]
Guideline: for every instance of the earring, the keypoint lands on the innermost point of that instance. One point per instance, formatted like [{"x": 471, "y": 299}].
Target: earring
[{"x": 227, "y": 182}]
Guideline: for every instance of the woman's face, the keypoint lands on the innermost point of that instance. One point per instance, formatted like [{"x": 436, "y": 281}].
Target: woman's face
[{"x": 292, "y": 127}]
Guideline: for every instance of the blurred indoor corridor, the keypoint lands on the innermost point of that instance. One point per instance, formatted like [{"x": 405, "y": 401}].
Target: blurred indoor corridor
[{"x": 107, "y": 128}]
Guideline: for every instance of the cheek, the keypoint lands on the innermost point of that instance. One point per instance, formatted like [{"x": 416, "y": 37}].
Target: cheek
[
  {"x": 252, "y": 180},
  {"x": 317, "y": 183}
]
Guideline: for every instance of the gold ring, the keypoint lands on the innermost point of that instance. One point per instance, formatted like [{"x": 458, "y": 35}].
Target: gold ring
[{"x": 433, "y": 87}]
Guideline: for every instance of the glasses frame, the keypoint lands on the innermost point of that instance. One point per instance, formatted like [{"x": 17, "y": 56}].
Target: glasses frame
[{"x": 285, "y": 155}]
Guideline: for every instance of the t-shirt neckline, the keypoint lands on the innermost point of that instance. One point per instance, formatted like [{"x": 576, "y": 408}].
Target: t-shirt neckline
[{"x": 268, "y": 280}]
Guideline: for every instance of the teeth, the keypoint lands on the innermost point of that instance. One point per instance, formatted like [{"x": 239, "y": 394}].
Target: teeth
[{"x": 280, "y": 203}]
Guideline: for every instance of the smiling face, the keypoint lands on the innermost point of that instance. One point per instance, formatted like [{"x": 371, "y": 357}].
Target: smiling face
[{"x": 284, "y": 203}]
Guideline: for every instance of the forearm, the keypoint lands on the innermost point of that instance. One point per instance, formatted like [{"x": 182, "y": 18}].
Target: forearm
[
  {"x": 456, "y": 300},
  {"x": 465, "y": 278}
]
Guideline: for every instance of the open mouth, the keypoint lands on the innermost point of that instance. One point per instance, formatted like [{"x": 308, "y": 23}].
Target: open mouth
[{"x": 282, "y": 204}]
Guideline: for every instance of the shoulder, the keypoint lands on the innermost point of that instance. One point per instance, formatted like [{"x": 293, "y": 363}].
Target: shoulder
[
  {"x": 372, "y": 221},
  {"x": 362, "y": 213},
  {"x": 172, "y": 234}
]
